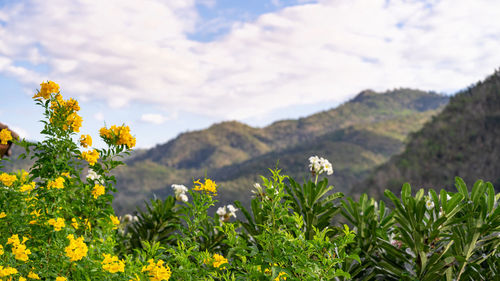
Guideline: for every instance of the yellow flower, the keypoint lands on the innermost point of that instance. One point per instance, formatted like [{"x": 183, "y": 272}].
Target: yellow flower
[
  {"x": 1, "y": 250},
  {"x": 115, "y": 221},
  {"x": 118, "y": 135},
  {"x": 57, "y": 224},
  {"x": 74, "y": 223},
  {"x": 5, "y": 136},
  {"x": 7, "y": 179},
  {"x": 2, "y": 215},
  {"x": 90, "y": 156},
  {"x": 77, "y": 249},
  {"x": 112, "y": 264},
  {"x": 281, "y": 276},
  {"x": 66, "y": 174},
  {"x": 218, "y": 260},
  {"x": 59, "y": 278},
  {"x": 58, "y": 183},
  {"x": 74, "y": 121},
  {"x": 86, "y": 141},
  {"x": 33, "y": 275},
  {"x": 157, "y": 272},
  {"x": 208, "y": 187},
  {"x": 105, "y": 133},
  {"x": 22, "y": 279},
  {"x": 19, "y": 248},
  {"x": 72, "y": 105},
  {"x": 98, "y": 190},
  {"x": 47, "y": 89},
  {"x": 28, "y": 187},
  {"x": 6, "y": 271}
]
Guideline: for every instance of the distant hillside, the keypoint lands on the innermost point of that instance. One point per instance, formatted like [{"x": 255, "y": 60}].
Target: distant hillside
[
  {"x": 463, "y": 140},
  {"x": 356, "y": 137}
]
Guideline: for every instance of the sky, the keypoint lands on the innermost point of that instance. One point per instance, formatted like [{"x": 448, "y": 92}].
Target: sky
[{"x": 165, "y": 67}]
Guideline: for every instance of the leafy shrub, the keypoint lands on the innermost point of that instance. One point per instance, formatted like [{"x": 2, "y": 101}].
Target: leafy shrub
[{"x": 450, "y": 236}]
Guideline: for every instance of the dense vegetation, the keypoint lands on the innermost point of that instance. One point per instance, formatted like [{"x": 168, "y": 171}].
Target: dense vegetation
[{"x": 463, "y": 140}]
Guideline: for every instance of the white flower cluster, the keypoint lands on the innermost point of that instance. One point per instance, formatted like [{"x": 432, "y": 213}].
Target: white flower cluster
[
  {"x": 92, "y": 175},
  {"x": 226, "y": 212},
  {"x": 180, "y": 192},
  {"x": 319, "y": 165}
]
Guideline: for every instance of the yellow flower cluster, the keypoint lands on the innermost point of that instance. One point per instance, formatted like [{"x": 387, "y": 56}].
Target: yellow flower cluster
[
  {"x": 57, "y": 183},
  {"x": 19, "y": 248},
  {"x": 74, "y": 121},
  {"x": 2, "y": 215},
  {"x": 6, "y": 271},
  {"x": 59, "y": 278},
  {"x": 98, "y": 190},
  {"x": 66, "y": 110},
  {"x": 77, "y": 249},
  {"x": 57, "y": 224},
  {"x": 112, "y": 264},
  {"x": 119, "y": 135},
  {"x": 5, "y": 136},
  {"x": 157, "y": 272},
  {"x": 281, "y": 276},
  {"x": 33, "y": 275},
  {"x": 27, "y": 187},
  {"x": 208, "y": 187},
  {"x": 47, "y": 89},
  {"x": 7, "y": 179},
  {"x": 216, "y": 260},
  {"x": 115, "y": 221},
  {"x": 90, "y": 156},
  {"x": 85, "y": 141}
]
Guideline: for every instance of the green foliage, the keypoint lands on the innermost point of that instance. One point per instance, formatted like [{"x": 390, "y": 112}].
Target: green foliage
[
  {"x": 314, "y": 203},
  {"x": 156, "y": 224},
  {"x": 450, "y": 236},
  {"x": 373, "y": 225}
]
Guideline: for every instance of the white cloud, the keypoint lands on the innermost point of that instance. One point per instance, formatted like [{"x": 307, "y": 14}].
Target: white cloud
[
  {"x": 128, "y": 51},
  {"x": 153, "y": 118},
  {"x": 99, "y": 116}
]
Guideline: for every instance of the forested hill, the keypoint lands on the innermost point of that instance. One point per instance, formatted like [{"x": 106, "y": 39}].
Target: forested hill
[
  {"x": 356, "y": 137},
  {"x": 463, "y": 140}
]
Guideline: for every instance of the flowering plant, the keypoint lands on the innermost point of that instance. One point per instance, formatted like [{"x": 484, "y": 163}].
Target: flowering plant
[{"x": 57, "y": 224}]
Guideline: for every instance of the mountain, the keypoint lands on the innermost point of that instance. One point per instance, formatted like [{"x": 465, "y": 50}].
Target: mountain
[
  {"x": 356, "y": 137},
  {"x": 463, "y": 140}
]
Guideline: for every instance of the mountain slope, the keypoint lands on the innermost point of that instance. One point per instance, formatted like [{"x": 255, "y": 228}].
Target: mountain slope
[
  {"x": 463, "y": 140},
  {"x": 233, "y": 142},
  {"x": 356, "y": 137}
]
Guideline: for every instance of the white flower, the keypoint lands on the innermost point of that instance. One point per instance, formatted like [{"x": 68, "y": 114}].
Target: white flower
[
  {"x": 232, "y": 210},
  {"x": 327, "y": 167},
  {"x": 226, "y": 212},
  {"x": 257, "y": 185},
  {"x": 179, "y": 188},
  {"x": 180, "y": 192},
  {"x": 221, "y": 211},
  {"x": 92, "y": 175},
  {"x": 429, "y": 204},
  {"x": 182, "y": 197},
  {"x": 448, "y": 197},
  {"x": 127, "y": 218},
  {"x": 319, "y": 165}
]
